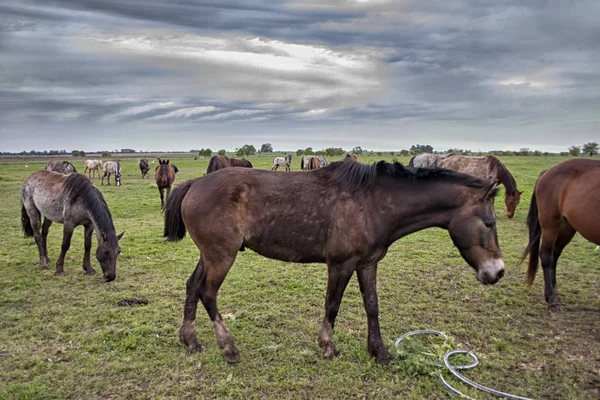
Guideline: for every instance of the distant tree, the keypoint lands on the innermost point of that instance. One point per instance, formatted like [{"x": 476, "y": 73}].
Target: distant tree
[
  {"x": 357, "y": 150},
  {"x": 334, "y": 151},
  {"x": 308, "y": 150},
  {"x": 106, "y": 154},
  {"x": 127, "y": 151},
  {"x": 299, "y": 152},
  {"x": 205, "y": 152},
  {"x": 421, "y": 148},
  {"x": 524, "y": 151},
  {"x": 266, "y": 148},
  {"x": 537, "y": 153},
  {"x": 222, "y": 152},
  {"x": 404, "y": 152},
  {"x": 590, "y": 149},
  {"x": 575, "y": 151},
  {"x": 246, "y": 150},
  {"x": 78, "y": 153},
  {"x": 194, "y": 151}
]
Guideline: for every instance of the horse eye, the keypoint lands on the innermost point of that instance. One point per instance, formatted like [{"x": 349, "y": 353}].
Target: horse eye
[{"x": 490, "y": 224}]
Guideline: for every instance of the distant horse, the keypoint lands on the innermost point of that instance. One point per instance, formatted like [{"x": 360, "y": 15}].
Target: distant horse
[
  {"x": 165, "y": 176},
  {"x": 314, "y": 163},
  {"x": 92, "y": 166},
  {"x": 231, "y": 208},
  {"x": 428, "y": 160},
  {"x": 351, "y": 157},
  {"x": 565, "y": 200},
  {"x": 488, "y": 167},
  {"x": 71, "y": 200},
  {"x": 64, "y": 167},
  {"x": 240, "y": 162},
  {"x": 144, "y": 167},
  {"x": 306, "y": 159},
  {"x": 216, "y": 163},
  {"x": 112, "y": 167},
  {"x": 282, "y": 162}
]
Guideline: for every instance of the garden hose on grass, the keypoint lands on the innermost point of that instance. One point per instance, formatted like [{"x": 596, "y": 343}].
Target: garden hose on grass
[{"x": 454, "y": 368}]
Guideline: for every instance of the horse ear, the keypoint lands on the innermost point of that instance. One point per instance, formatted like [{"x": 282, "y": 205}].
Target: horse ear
[
  {"x": 120, "y": 235},
  {"x": 521, "y": 192},
  {"x": 490, "y": 190},
  {"x": 167, "y": 162}
]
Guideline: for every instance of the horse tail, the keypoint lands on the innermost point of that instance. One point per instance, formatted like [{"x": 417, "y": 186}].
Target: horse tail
[
  {"x": 535, "y": 236},
  {"x": 26, "y": 222},
  {"x": 174, "y": 226},
  {"x": 212, "y": 165},
  {"x": 302, "y": 164},
  {"x": 411, "y": 163}
]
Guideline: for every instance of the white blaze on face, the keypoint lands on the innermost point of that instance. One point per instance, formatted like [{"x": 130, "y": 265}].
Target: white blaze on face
[{"x": 491, "y": 271}]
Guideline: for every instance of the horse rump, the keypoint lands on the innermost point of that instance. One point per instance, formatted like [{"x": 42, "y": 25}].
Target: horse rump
[
  {"x": 174, "y": 226},
  {"x": 26, "y": 222},
  {"x": 535, "y": 236}
]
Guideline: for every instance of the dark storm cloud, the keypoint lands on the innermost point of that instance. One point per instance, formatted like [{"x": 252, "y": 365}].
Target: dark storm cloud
[{"x": 436, "y": 68}]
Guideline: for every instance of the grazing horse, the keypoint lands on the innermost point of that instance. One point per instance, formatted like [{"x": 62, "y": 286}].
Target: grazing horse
[
  {"x": 314, "y": 163},
  {"x": 282, "y": 162},
  {"x": 240, "y": 162},
  {"x": 112, "y": 167},
  {"x": 165, "y": 176},
  {"x": 351, "y": 157},
  {"x": 92, "y": 166},
  {"x": 565, "y": 200},
  {"x": 233, "y": 208},
  {"x": 216, "y": 163},
  {"x": 64, "y": 167},
  {"x": 306, "y": 160},
  {"x": 144, "y": 167},
  {"x": 71, "y": 200},
  {"x": 488, "y": 167}
]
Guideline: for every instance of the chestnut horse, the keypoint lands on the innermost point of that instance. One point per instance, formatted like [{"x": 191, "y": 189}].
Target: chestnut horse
[
  {"x": 565, "y": 200},
  {"x": 236, "y": 207},
  {"x": 240, "y": 162},
  {"x": 488, "y": 167},
  {"x": 71, "y": 200},
  {"x": 216, "y": 163},
  {"x": 165, "y": 176},
  {"x": 314, "y": 163}
]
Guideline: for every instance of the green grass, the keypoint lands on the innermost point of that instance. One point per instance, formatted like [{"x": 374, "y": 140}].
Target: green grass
[{"x": 65, "y": 337}]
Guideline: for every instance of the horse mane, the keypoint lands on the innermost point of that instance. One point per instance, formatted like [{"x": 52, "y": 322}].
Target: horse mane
[
  {"x": 504, "y": 175},
  {"x": 357, "y": 177},
  {"x": 78, "y": 186}
]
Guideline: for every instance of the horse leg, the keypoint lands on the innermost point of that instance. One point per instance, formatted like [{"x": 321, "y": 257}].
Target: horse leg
[
  {"x": 162, "y": 199},
  {"x": 102, "y": 183},
  {"x": 339, "y": 275},
  {"x": 367, "y": 280},
  {"x": 66, "y": 243},
  {"x": 45, "y": 229},
  {"x": 87, "y": 263},
  {"x": 549, "y": 237},
  {"x": 565, "y": 235},
  {"x": 34, "y": 220}
]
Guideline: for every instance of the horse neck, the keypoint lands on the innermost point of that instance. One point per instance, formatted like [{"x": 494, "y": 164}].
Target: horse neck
[
  {"x": 420, "y": 205},
  {"x": 99, "y": 214},
  {"x": 505, "y": 177}
]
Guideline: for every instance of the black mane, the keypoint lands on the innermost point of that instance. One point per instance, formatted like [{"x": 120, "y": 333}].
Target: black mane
[
  {"x": 504, "y": 175},
  {"x": 79, "y": 186},
  {"x": 356, "y": 177}
]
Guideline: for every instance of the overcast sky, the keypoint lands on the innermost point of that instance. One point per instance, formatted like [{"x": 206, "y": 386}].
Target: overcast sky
[{"x": 186, "y": 74}]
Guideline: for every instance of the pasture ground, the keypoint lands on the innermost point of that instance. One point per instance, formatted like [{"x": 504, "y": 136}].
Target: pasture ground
[{"x": 66, "y": 337}]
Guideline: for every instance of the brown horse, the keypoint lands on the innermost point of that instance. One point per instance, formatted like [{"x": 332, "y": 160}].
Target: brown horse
[
  {"x": 565, "y": 200},
  {"x": 488, "y": 167},
  {"x": 240, "y": 162},
  {"x": 71, "y": 200},
  {"x": 351, "y": 157},
  {"x": 255, "y": 208},
  {"x": 144, "y": 167},
  {"x": 216, "y": 163},
  {"x": 314, "y": 163},
  {"x": 165, "y": 176}
]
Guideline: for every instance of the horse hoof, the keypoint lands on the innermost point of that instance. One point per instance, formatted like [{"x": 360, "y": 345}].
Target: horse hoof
[
  {"x": 232, "y": 355},
  {"x": 554, "y": 307},
  {"x": 59, "y": 273},
  {"x": 382, "y": 358},
  {"x": 90, "y": 272},
  {"x": 42, "y": 266},
  {"x": 330, "y": 352}
]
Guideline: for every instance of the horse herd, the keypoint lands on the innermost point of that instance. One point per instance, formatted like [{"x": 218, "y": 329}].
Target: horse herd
[{"x": 362, "y": 209}]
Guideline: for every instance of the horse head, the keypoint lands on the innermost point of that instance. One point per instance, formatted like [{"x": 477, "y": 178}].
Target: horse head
[
  {"x": 118, "y": 174},
  {"x": 512, "y": 200},
  {"x": 473, "y": 231},
  {"x": 107, "y": 253}
]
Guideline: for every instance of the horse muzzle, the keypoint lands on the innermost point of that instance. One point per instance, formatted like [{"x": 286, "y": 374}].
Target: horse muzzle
[
  {"x": 110, "y": 277},
  {"x": 491, "y": 271}
]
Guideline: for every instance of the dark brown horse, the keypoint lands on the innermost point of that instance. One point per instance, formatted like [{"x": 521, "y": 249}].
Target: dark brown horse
[
  {"x": 240, "y": 162},
  {"x": 71, "y": 200},
  {"x": 565, "y": 200},
  {"x": 144, "y": 167},
  {"x": 216, "y": 163},
  {"x": 256, "y": 208},
  {"x": 165, "y": 176},
  {"x": 488, "y": 167}
]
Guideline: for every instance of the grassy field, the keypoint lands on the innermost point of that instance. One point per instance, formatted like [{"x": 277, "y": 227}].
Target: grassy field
[{"x": 66, "y": 337}]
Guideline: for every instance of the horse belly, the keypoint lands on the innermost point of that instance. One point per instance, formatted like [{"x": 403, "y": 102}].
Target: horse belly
[{"x": 49, "y": 207}]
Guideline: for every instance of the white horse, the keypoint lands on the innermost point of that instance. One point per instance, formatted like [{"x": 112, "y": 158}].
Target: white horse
[
  {"x": 112, "y": 167},
  {"x": 92, "y": 166},
  {"x": 282, "y": 162}
]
